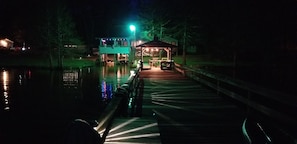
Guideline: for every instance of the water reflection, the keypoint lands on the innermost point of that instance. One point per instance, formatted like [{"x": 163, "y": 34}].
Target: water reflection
[
  {"x": 24, "y": 76},
  {"x": 70, "y": 78},
  {"x": 112, "y": 78},
  {"x": 106, "y": 91},
  {"x": 46, "y": 100},
  {"x": 5, "y": 89}
]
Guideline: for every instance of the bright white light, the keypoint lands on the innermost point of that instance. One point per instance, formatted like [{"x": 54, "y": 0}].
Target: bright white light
[
  {"x": 132, "y": 73},
  {"x": 3, "y": 43},
  {"x": 20, "y": 79},
  {"x": 132, "y": 28}
]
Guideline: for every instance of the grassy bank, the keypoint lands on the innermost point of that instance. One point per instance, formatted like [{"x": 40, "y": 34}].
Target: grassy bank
[
  {"x": 201, "y": 60},
  {"x": 23, "y": 59}
]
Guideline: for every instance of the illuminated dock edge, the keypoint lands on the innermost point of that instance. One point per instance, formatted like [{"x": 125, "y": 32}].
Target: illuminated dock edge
[{"x": 120, "y": 105}]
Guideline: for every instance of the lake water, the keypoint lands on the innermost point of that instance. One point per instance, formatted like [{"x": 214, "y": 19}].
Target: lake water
[{"x": 37, "y": 105}]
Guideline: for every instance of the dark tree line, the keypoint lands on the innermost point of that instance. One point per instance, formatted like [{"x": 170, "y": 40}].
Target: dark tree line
[
  {"x": 230, "y": 29},
  {"x": 249, "y": 30},
  {"x": 45, "y": 26}
]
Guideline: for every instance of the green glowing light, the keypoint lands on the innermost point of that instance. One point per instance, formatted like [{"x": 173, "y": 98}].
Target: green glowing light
[{"x": 132, "y": 28}]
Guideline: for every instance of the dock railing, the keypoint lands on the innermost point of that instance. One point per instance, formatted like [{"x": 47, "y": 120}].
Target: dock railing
[
  {"x": 273, "y": 104},
  {"x": 122, "y": 103}
]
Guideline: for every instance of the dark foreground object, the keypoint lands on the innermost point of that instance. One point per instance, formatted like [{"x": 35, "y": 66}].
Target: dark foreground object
[{"x": 81, "y": 132}]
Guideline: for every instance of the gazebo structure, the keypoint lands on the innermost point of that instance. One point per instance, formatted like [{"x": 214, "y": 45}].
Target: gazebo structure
[{"x": 157, "y": 45}]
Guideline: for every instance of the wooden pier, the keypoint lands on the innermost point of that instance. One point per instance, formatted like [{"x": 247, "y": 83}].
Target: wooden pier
[{"x": 176, "y": 109}]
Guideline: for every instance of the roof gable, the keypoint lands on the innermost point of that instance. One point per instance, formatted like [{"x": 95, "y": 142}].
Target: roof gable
[{"x": 156, "y": 43}]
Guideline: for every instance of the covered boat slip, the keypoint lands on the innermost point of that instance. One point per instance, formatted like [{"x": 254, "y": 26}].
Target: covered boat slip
[{"x": 114, "y": 49}]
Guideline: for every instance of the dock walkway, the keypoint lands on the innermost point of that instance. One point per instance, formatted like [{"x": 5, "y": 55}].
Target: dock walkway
[{"x": 179, "y": 110}]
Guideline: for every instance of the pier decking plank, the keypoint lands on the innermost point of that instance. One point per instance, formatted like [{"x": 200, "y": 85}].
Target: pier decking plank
[{"x": 185, "y": 112}]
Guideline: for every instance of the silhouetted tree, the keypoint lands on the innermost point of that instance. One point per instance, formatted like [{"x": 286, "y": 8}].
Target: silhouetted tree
[
  {"x": 58, "y": 30},
  {"x": 179, "y": 21},
  {"x": 153, "y": 18},
  {"x": 47, "y": 35}
]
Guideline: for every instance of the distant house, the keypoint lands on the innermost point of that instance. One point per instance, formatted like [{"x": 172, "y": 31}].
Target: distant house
[{"x": 6, "y": 44}]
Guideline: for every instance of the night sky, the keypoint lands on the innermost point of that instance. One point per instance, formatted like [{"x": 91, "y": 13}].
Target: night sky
[
  {"x": 106, "y": 16},
  {"x": 251, "y": 20}
]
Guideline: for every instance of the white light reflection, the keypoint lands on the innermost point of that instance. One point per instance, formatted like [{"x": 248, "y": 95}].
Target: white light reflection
[
  {"x": 132, "y": 130},
  {"x": 118, "y": 77},
  {"x": 134, "y": 136},
  {"x": 139, "y": 132},
  {"x": 123, "y": 124},
  {"x": 20, "y": 79},
  {"x": 132, "y": 73},
  {"x": 5, "y": 78}
]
